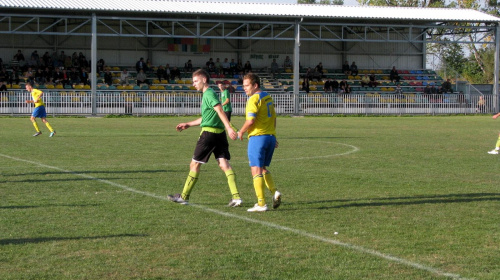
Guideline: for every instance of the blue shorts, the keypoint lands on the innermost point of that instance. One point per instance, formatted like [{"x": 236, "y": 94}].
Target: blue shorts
[
  {"x": 39, "y": 112},
  {"x": 261, "y": 149}
]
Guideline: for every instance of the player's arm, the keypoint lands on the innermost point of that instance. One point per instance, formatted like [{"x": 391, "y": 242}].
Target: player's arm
[
  {"x": 496, "y": 115},
  {"x": 180, "y": 127},
  {"x": 245, "y": 127},
  {"x": 230, "y": 131}
]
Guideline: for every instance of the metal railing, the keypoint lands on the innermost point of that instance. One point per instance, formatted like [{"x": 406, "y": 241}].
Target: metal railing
[{"x": 188, "y": 103}]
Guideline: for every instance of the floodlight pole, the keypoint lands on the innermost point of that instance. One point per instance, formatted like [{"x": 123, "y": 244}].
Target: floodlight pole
[
  {"x": 296, "y": 66},
  {"x": 495, "y": 73},
  {"x": 93, "y": 65}
]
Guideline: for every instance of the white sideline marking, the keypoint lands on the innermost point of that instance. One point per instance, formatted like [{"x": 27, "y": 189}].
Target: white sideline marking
[{"x": 264, "y": 223}]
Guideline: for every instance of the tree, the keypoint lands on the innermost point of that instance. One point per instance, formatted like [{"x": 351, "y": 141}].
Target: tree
[{"x": 324, "y": 2}]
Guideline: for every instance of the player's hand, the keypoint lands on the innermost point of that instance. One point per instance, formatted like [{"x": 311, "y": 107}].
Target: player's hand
[
  {"x": 180, "y": 127},
  {"x": 232, "y": 134},
  {"x": 496, "y": 116},
  {"x": 240, "y": 135},
  {"x": 277, "y": 144}
]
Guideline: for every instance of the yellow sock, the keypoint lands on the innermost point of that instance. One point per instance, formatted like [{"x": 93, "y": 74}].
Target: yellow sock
[
  {"x": 49, "y": 127},
  {"x": 188, "y": 186},
  {"x": 269, "y": 182},
  {"x": 231, "y": 181},
  {"x": 498, "y": 143},
  {"x": 36, "y": 126},
  {"x": 258, "y": 185}
]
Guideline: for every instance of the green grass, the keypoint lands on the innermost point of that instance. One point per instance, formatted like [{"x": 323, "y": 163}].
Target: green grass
[{"x": 410, "y": 198}]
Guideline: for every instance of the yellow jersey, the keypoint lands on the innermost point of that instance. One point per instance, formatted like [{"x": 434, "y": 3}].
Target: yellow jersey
[
  {"x": 260, "y": 106},
  {"x": 37, "y": 94}
]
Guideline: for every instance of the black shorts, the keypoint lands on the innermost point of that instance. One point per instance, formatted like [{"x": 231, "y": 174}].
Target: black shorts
[{"x": 209, "y": 143}]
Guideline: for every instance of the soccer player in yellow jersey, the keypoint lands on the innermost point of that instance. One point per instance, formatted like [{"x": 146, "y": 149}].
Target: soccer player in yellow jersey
[
  {"x": 39, "y": 111},
  {"x": 260, "y": 122},
  {"x": 497, "y": 146}
]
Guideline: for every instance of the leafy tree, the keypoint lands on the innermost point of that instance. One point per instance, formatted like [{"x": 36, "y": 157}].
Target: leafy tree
[{"x": 324, "y": 2}]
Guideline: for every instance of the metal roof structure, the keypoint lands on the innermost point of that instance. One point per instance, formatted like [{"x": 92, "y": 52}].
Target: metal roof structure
[{"x": 251, "y": 9}]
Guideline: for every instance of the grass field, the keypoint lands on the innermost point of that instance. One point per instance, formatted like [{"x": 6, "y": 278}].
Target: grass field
[{"x": 410, "y": 198}]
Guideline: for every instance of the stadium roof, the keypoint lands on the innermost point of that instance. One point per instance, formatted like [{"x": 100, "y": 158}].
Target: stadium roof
[{"x": 193, "y": 8}]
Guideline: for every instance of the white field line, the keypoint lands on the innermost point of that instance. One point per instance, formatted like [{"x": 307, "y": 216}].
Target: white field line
[{"x": 264, "y": 223}]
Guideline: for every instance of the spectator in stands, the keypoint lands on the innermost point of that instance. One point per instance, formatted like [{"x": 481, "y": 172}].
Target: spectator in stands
[
  {"x": 348, "y": 88},
  {"x": 481, "y": 105},
  {"x": 14, "y": 75},
  {"x": 100, "y": 65},
  {"x": 354, "y": 69},
  {"x": 35, "y": 59},
  {"x": 74, "y": 76},
  {"x": 3, "y": 75},
  {"x": 225, "y": 66},
  {"x": 248, "y": 67},
  {"x": 65, "y": 78},
  {"x": 239, "y": 66},
  {"x": 19, "y": 57},
  {"x": 373, "y": 80},
  {"x": 328, "y": 85},
  {"x": 188, "y": 66},
  {"x": 319, "y": 68},
  {"x": 29, "y": 75},
  {"x": 434, "y": 90},
  {"x": 342, "y": 86},
  {"x": 427, "y": 90},
  {"x": 46, "y": 59},
  {"x": 210, "y": 65},
  {"x": 1, "y": 64},
  {"x": 74, "y": 60},
  {"x": 3, "y": 87},
  {"x": 175, "y": 73},
  {"x": 124, "y": 76},
  {"x": 82, "y": 60},
  {"x": 309, "y": 73},
  {"x": 141, "y": 78},
  {"x": 62, "y": 58},
  {"x": 305, "y": 85},
  {"x": 240, "y": 77},
  {"x": 317, "y": 74},
  {"x": 47, "y": 75},
  {"x": 274, "y": 67},
  {"x": 149, "y": 66},
  {"x": 335, "y": 86},
  {"x": 394, "y": 75},
  {"x": 446, "y": 87},
  {"x": 84, "y": 76},
  {"x": 68, "y": 63},
  {"x": 398, "y": 90},
  {"x": 233, "y": 66},
  {"x": 108, "y": 77},
  {"x": 217, "y": 66},
  {"x": 39, "y": 77},
  {"x": 365, "y": 80},
  {"x": 346, "y": 69},
  {"x": 287, "y": 64},
  {"x": 57, "y": 76},
  {"x": 161, "y": 74},
  {"x": 140, "y": 65}
]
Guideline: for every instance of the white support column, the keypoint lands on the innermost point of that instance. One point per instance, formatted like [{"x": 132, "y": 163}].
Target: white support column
[
  {"x": 296, "y": 64},
  {"x": 93, "y": 65},
  {"x": 495, "y": 74}
]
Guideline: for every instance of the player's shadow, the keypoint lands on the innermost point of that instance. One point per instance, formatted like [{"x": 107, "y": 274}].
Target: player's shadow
[
  {"x": 404, "y": 200},
  {"x": 16, "y": 241}
]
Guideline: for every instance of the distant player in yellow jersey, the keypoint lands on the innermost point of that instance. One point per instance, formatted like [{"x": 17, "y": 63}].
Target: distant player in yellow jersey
[
  {"x": 260, "y": 122},
  {"x": 496, "y": 151},
  {"x": 39, "y": 111}
]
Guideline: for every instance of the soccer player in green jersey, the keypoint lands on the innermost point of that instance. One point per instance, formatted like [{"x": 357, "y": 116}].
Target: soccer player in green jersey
[
  {"x": 497, "y": 146},
  {"x": 260, "y": 122},
  {"x": 213, "y": 139},
  {"x": 39, "y": 111},
  {"x": 225, "y": 98}
]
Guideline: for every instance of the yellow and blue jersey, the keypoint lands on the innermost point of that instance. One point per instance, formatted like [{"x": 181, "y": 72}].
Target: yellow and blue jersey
[
  {"x": 37, "y": 94},
  {"x": 260, "y": 106}
]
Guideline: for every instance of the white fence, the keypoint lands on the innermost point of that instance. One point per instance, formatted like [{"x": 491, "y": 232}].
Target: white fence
[{"x": 188, "y": 103}]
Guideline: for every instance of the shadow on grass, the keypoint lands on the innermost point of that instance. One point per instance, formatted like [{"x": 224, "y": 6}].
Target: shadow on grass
[
  {"x": 406, "y": 200},
  {"x": 48, "y": 205},
  {"x": 91, "y": 172},
  {"x": 49, "y": 239}
]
